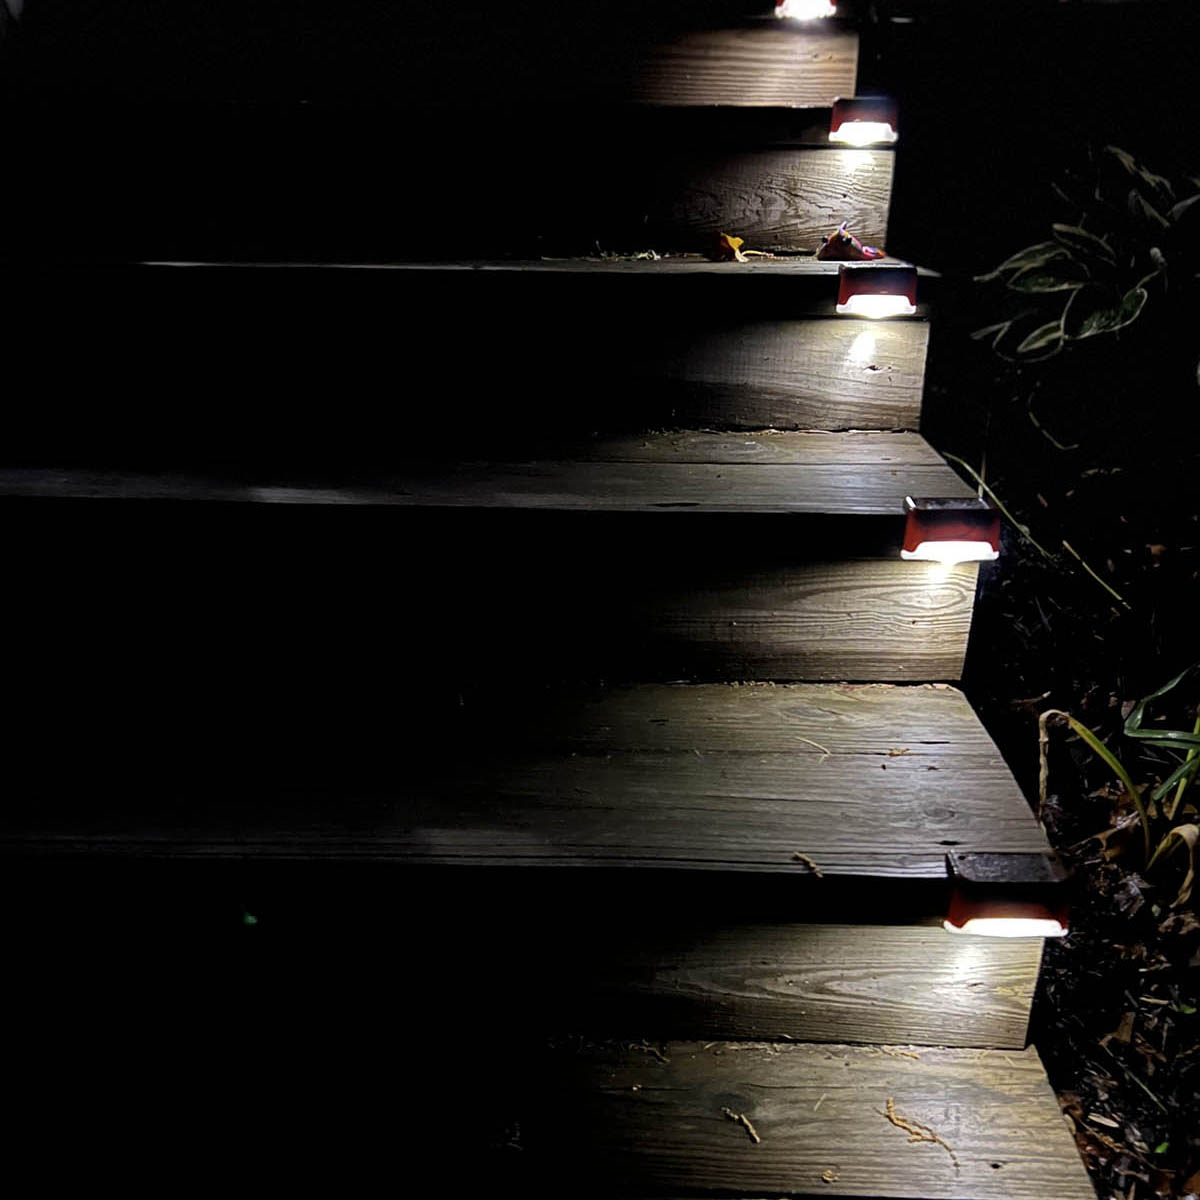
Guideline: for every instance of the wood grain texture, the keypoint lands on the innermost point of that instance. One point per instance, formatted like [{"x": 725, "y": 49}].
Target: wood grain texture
[
  {"x": 637, "y": 1125},
  {"x": 821, "y": 983},
  {"x": 765, "y": 64},
  {"x": 775, "y": 199},
  {"x": 868, "y": 813},
  {"x": 815, "y": 374},
  {"x": 754, "y": 718},
  {"x": 827, "y": 620},
  {"x": 792, "y": 473}
]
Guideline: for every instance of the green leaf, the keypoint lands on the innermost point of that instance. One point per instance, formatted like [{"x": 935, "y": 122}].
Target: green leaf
[
  {"x": 1045, "y": 337},
  {"x": 1187, "y": 1009},
  {"x": 1182, "y": 207},
  {"x": 1031, "y": 256},
  {"x": 1082, "y": 242},
  {"x": 1009, "y": 340},
  {"x": 1156, "y": 183},
  {"x": 1162, "y": 1147},
  {"x": 1061, "y": 276},
  {"x": 1114, "y": 764},
  {"x": 1141, "y": 209},
  {"x": 989, "y": 330},
  {"x": 1173, "y": 737},
  {"x": 1093, "y": 310}
]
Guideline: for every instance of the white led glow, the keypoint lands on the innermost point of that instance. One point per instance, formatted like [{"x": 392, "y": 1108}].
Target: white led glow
[
  {"x": 951, "y": 552},
  {"x": 862, "y": 350},
  {"x": 806, "y": 10},
  {"x": 1010, "y": 927},
  {"x": 864, "y": 133},
  {"x": 877, "y": 306}
]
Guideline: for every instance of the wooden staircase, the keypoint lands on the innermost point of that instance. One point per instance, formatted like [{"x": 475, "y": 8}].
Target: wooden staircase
[{"x": 469, "y": 721}]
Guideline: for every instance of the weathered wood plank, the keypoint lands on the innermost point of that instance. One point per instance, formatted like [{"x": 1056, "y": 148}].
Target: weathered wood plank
[
  {"x": 763, "y": 64},
  {"x": 790, "y": 474},
  {"x": 650, "y": 1125},
  {"x": 819, "y": 983},
  {"x": 872, "y": 812},
  {"x": 754, "y": 718}
]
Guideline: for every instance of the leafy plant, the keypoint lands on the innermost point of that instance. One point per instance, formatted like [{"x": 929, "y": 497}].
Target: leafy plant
[
  {"x": 1132, "y": 241},
  {"x": 1161, "y": 835}
]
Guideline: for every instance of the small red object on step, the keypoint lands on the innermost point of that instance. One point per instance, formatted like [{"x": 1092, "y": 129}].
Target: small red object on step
[{"x": 843, "y": 246}]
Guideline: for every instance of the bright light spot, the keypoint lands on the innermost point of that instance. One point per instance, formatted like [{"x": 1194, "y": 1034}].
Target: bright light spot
[
  {"x": 877, "y": 306},
  {"x": 862, "y": 350},
  {"x": 951, "y": 552},
  {"x": 805, "y": 10},
  {"x": 1010, "y": 927},
  {"x": 864, "y": 133}
]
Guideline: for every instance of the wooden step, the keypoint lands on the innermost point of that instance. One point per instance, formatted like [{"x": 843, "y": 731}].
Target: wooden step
[
  {"x": 644, "y": 840},
  {"x": 328, "y": 183},
  {"x": 693, "y": 1119},
  {"x": 364, "y": 365},
  {"x": 693, "y": 556},
  {"x": 769, "y": 472},
  {"x": 872, "y": 782}
]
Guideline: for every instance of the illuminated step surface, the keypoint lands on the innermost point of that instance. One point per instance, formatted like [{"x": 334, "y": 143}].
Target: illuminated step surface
[
  {"x": 771, "y": 472},
  {"x": 868, "y": 782},
  {"x": 749, "y": 1119}
]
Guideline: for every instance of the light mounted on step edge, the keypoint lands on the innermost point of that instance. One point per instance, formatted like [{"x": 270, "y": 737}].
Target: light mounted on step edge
[
  {"x": 805, "y": 10},
  {"x": 1007, "y": 894},
  {"x": 950, "y": 531},
  {"x": 864, "y": 121},
  {"x": 877, "y": 291}
]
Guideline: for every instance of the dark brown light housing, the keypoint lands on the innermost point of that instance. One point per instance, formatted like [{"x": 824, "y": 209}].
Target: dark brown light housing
[
  {"x": 1007, "y": 894},
  {"x": 867, "y": 291},
  {"x": 950, "y": 531}
]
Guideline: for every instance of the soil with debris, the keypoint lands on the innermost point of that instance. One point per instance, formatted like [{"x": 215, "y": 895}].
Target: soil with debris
[{"x": 1117, "y": 476}]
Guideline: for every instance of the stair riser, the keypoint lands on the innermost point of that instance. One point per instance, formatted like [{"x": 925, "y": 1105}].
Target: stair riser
[
  {"x": 810, "y": 983},
  {"x": 426, "y": 56},
  {"x": 345, "y": 197},
  {"x": 305, "y": 640},
  {"x": 375, "y": 366}
]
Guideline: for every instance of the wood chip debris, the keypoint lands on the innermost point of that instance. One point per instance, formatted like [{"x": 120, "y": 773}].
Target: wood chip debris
[
  {"x": 830, "y": 1176},
  {"x": 895, "y": 1053},
  {"x": 824, "y": 749},
  {"x": 646, "y": 1048},
  {"x": 808, "y": 862},
  {"x": 820, "y": 1102},
  {"x": 918, "y": 1132},
  {"x": 744, "y": 1122},
  {"x": 898, "y": 753}
]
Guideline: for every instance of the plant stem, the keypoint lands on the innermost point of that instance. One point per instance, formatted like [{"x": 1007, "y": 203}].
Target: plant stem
[
  {"x": 1110, "y": 590},
  {"x": 1023, "y": 530}
]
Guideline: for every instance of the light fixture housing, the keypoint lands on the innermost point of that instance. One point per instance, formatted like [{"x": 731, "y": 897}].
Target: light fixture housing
[
  {"x": 963, "y": 529},
  {"x": 1007, "y": 894},
  {"x": 864, "y": 121},
  {"x": 870, "y": 291},
  {"x": 805, "y": 10}
]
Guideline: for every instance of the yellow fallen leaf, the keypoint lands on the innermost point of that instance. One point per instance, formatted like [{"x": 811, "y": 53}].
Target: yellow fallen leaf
[{"x": 729, "y": 248}]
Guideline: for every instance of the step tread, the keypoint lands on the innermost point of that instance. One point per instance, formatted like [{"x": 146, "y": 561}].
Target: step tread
[
  {"x": 873, "y": 781},
  {"x": 782, "y": 472},
  {"x": 785, "y": 266},
  {"x": 655, "y": 1121}
]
